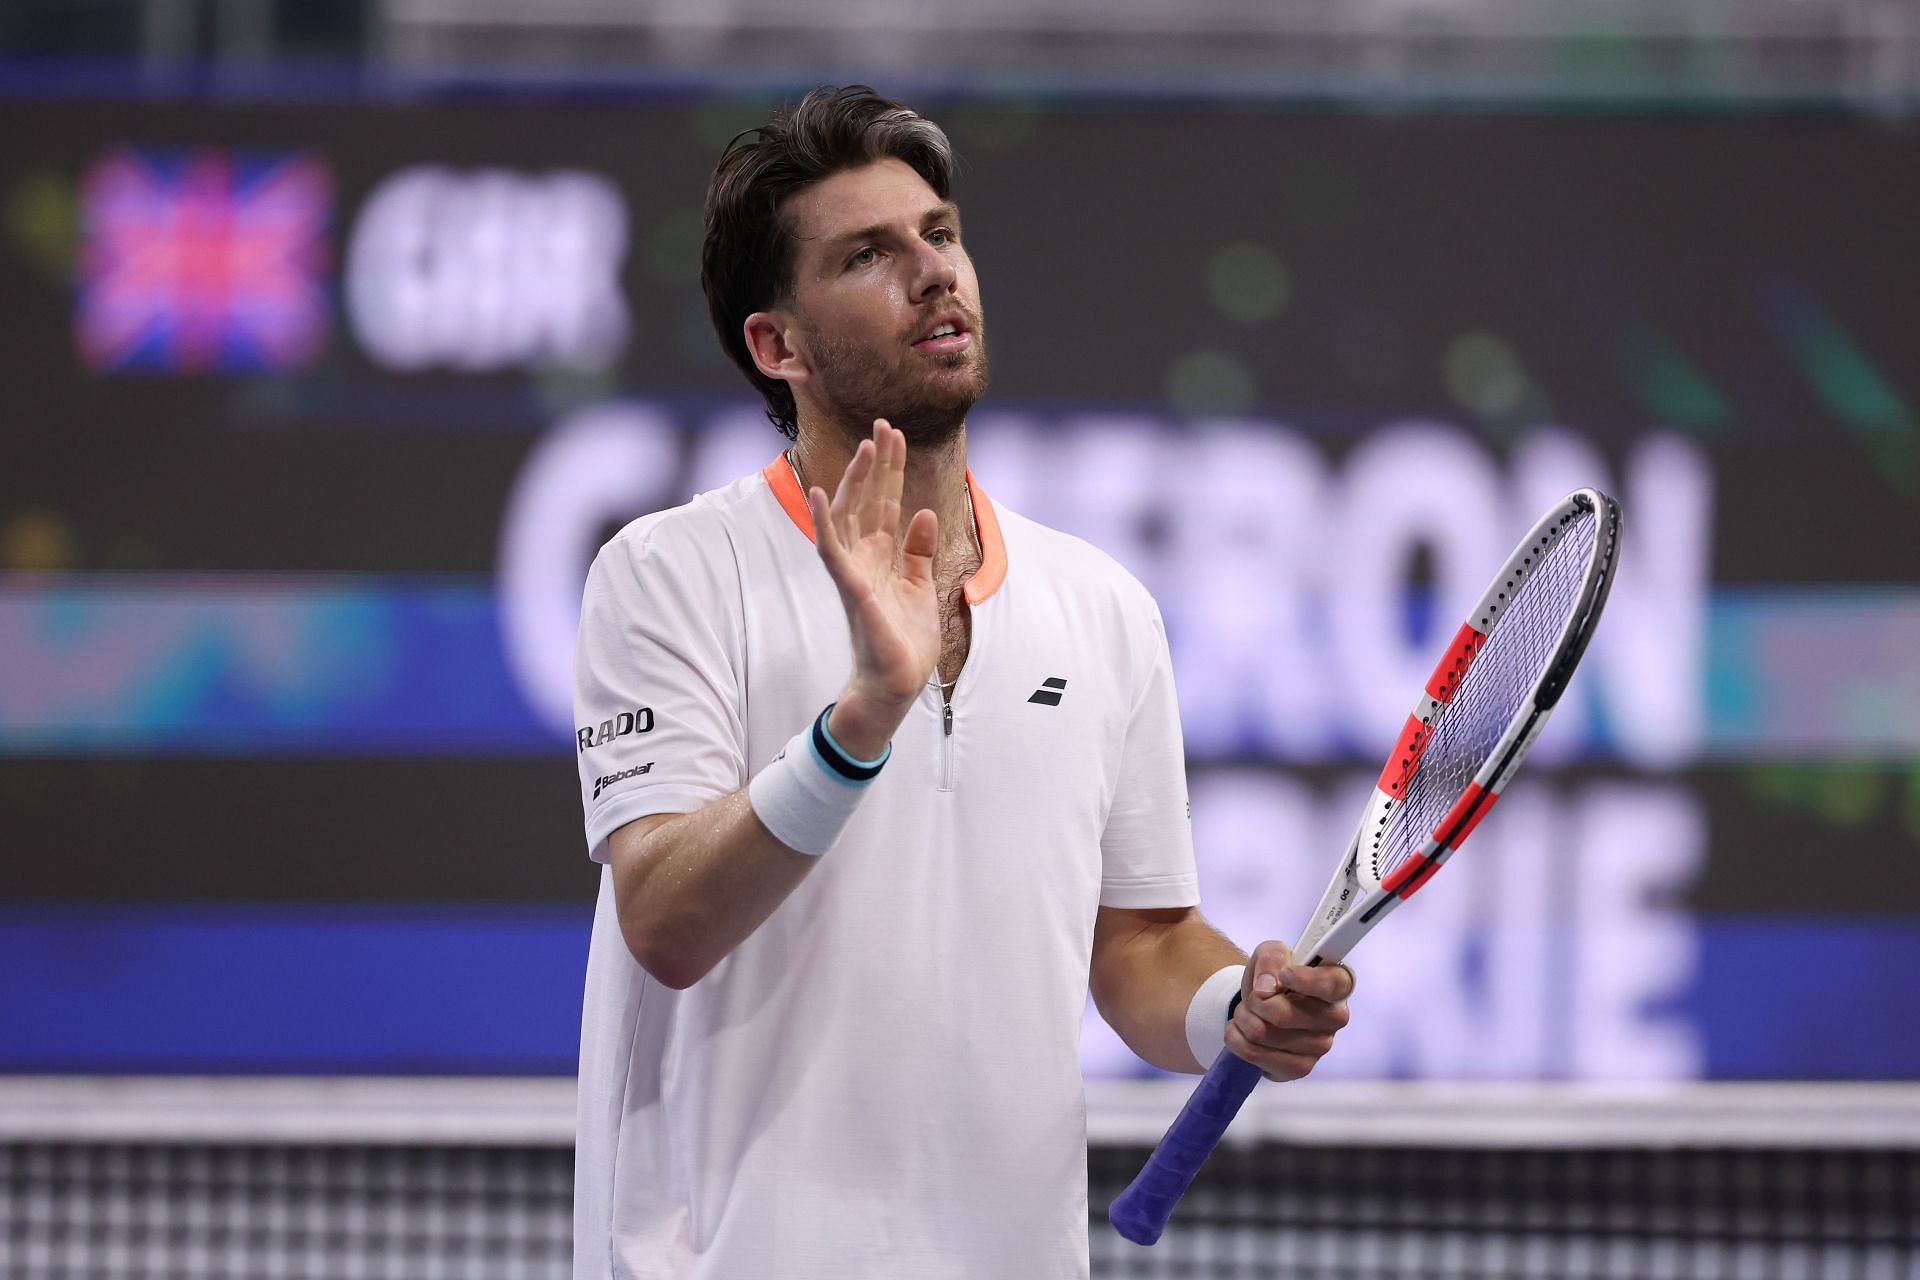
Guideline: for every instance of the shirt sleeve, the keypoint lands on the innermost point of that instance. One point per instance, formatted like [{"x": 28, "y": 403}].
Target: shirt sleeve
[
  {"x": 657, "y": 723},
  {"x": 1147, "y": 846}
]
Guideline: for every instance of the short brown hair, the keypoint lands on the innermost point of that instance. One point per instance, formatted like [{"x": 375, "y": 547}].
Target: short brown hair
[{"x": 746, "y": 259}]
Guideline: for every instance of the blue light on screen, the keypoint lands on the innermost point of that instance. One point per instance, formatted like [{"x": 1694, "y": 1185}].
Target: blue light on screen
[
  {"x": 412, "y": 989},
  {"x": 209, "y": 665},
  {"x": 395, "y": 989},
  {"x": 406, "y": 666},
  {"x": 333, "y": 665}
]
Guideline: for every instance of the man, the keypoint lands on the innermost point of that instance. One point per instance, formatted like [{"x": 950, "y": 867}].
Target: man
[{"x": 883, "y": 781}]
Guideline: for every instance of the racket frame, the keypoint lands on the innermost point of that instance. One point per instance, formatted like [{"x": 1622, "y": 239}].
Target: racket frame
[{"x": 1358, "y": 898}]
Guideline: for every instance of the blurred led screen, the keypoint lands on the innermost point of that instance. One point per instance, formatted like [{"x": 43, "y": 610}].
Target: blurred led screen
[{"x": 315, "y": 413}]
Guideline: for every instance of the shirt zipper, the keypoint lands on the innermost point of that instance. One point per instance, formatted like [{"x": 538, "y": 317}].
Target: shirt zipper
[{"x": 946, "y": 746}]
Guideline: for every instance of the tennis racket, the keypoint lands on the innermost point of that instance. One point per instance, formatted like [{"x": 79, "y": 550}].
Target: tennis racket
[{"x": 1485, "y": 704}]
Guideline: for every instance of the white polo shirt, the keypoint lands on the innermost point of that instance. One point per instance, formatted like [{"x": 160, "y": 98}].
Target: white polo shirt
[{"x": 883, "y": 1080}]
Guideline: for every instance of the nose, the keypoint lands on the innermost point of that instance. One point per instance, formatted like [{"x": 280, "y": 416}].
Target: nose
[{"x": 934, "y": 273}]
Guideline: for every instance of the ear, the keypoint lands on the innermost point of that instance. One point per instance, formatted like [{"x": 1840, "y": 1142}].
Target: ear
[{"x": 775, "y": 353}]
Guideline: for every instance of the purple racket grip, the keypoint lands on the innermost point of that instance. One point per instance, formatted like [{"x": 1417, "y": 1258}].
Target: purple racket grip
[{"x": 1140, "y": 1212}]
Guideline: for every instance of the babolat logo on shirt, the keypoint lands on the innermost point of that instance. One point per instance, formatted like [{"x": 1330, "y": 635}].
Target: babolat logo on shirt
[
  {"x": 638, "y": 720},
  {"x": 601, "y": 784},
  {"x": 1051, "y": 690}
]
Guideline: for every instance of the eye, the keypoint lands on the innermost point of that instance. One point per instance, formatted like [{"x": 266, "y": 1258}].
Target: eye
[
  {"x": 940, "y": 237},
  {"x": 865, "y": 258}
]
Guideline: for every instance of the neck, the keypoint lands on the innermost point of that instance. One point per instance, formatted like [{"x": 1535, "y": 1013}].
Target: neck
[{"x": 936, "y": 479}]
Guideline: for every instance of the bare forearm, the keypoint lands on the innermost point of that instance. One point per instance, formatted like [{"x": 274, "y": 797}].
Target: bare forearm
[
  {"x": 691, "y": 887},
  {"x": 1147, "y": 966}
]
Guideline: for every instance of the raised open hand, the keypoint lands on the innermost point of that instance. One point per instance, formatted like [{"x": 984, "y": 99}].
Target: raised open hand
[{"x": 886, "y": 585}]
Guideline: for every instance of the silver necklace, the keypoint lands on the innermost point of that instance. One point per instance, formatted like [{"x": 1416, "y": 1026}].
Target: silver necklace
[
  {"x": 973, "y": 521},
  {"x": 973, "y": 526}
]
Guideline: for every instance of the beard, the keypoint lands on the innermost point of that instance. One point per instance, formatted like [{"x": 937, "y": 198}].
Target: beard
[{"x": 926, "y": 398}]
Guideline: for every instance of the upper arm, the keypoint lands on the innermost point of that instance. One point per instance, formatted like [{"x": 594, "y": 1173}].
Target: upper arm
[
  {"x": 656, "y": 681},
  {"x": 625, "y": 844},
  {"x": 1146, "y": 847},
  {"x": 626, "y": 848},
  {"x": 1125, "y": 936}
]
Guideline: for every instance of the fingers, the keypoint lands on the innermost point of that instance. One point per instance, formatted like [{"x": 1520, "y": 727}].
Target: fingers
[
  {"x": 1275, "y": 1064},
  {"x": 1272, "y": 970},
  {"x": 825, "y": 537},
  {"x": 879, "y": 497},
  {"x": 1329, "y": 982},
  {"x": 849, "y": 500},
  {"x": 1283, "y": 1053},
  {"x": 1288, "y": 1013},
  {"x": 892, "y": 478},
  {"x": 867, "y": 501},
  {"x": 1263, "y": 972},
  {"x": 916, "y": 555},
  {"x": 1279, "y": 1025}
]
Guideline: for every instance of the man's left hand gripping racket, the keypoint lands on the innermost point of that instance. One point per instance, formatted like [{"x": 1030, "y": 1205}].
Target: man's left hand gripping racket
[{"x": 1487, "y": 701}]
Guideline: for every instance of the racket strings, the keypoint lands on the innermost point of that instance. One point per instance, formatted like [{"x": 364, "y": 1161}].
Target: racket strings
[{"x": 1495, "y": 688}]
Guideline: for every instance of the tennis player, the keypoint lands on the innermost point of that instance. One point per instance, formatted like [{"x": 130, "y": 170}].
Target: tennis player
[{"x": 884, "y": 778}]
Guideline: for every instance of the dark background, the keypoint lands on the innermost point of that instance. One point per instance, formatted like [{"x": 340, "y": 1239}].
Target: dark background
[{"x": 1767, "y": 256}]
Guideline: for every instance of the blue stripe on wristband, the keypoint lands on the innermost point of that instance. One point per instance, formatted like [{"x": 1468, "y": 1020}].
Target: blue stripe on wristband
[{"x": 835, "y": 758}]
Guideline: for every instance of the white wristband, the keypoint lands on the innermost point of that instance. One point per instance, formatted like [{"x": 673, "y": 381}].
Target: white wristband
[
  {"x": 1207, "y": 1014},
  {"x": 807, "y": 795}
]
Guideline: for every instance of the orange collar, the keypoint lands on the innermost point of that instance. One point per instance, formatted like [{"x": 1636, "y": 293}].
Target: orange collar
[{"x": 993, "y": 550}]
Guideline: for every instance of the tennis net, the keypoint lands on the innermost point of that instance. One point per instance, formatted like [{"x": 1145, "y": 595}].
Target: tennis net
[{"x": 338, "y": 1180}]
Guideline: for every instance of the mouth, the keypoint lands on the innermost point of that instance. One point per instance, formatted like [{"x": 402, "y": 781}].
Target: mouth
[{"x": 947, "y": 334}]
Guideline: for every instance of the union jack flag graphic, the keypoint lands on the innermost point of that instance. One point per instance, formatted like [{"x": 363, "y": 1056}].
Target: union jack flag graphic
[{"x": 203, "y": 261}]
